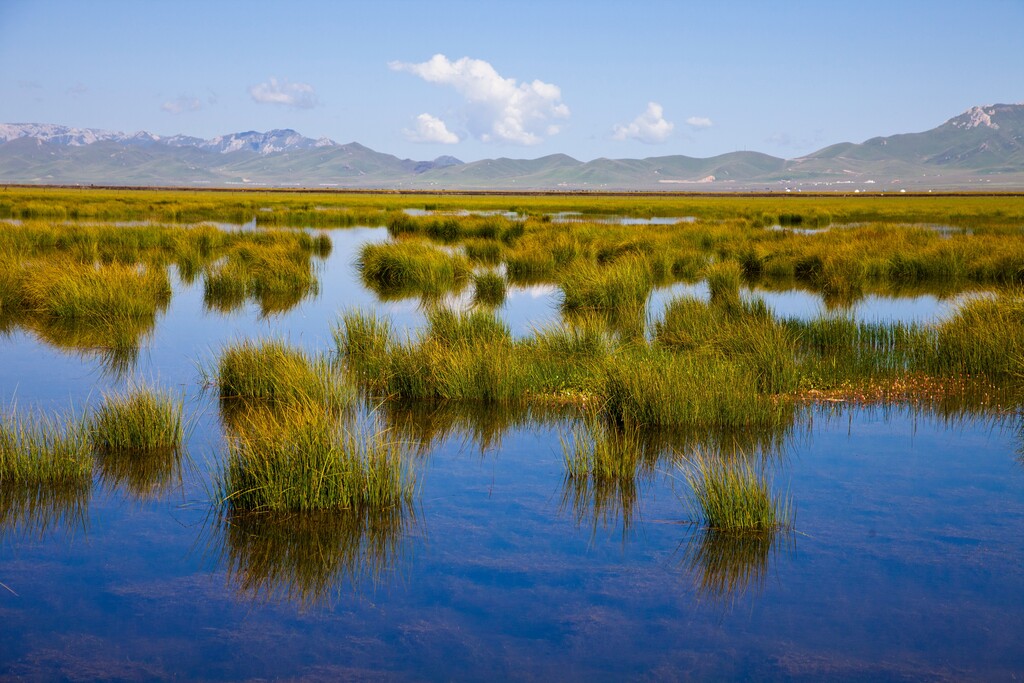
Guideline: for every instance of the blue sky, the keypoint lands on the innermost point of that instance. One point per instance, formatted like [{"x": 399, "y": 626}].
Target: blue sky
[{"x": 517, "y": 79}]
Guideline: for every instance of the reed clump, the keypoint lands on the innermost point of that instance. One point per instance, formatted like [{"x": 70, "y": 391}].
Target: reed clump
[
  {"x": 70, "y": 290},
  {"x": 271, "y": 372},
  {"x": 654, "y": 387},
  {"x": 45, "y": 473},
  {"x": 37, "y": 452},
  {"x": 409, "y": 268},
  {"x": 745, "y": 332},
  {"x": 304, "y": 459},
  {"x": 985, "y": 337},
  {"x": 489, "y": 289},
  {"x": 733, "y": 495},
  {"x": 139, "y": 420},
  {"x": 622, "y": 285}
]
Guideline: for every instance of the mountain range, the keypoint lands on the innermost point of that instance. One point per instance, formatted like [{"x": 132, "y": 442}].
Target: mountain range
[{"x": 981, "y": 149}]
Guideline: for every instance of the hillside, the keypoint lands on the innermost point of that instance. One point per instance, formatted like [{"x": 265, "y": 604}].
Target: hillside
[{"x": 981, "y": 148}]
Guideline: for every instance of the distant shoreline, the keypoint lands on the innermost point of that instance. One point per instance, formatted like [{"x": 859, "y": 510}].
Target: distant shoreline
[{"x": 516, "y": 193}]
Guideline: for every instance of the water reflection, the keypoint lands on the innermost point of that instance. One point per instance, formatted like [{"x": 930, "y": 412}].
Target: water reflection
[
  {"x": 603, "y": 464},
  {"x": 309, "y": 558},
  {"x": 113, "y": 342},
  {"x": 725, "y": 566},
  {"x": 425, "y": 425},
  {"x": 37, "y": 511},
  {"x": 142, "y": 475}
]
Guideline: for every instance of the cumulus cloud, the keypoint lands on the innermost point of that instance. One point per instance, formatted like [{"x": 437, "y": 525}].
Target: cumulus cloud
[
  {"x": 650, "y": 127},
  {"x": 497, "y": 109},
  {"x": 181, "y": 104},
  {"x": 698, "y": 122},
  {"x": 431, "y": 129},
  {"x": 297, "y": 95}
]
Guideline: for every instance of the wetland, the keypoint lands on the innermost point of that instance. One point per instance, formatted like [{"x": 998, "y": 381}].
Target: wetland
[{"x": 328, "y": 435}]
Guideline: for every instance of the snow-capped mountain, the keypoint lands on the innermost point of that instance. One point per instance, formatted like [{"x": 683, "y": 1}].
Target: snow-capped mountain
[
  {"x": 982, "y": 148},
  {"x": 72, "y": 137},
  {"x": 273, "y": 141}
]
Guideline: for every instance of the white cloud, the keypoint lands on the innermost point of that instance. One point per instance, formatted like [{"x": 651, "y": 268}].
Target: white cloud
[
  {"x": 650, "y": 127},
  {"x": 498, "y": 109},
  {"x": 298, "y": 95},
  {"x": 697, "y": 122},
  {"x": 181, "y": 104},
  {"x": 431, "y": 129}
]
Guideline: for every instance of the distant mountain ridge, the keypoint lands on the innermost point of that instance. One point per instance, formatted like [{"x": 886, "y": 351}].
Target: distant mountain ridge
[{"x": 980, "y": 148}]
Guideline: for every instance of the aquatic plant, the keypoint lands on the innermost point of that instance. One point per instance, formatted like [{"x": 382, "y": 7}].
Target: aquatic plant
[
  {"x": 622, "y": 285},
  {"x": 139, "y": 420},
  {"x": 733, "y": 495},
  {"x": 409, "y": 267},
  {"x": 45, "y": 473},
  {"x": 488, "y": 289},
  {"x": 302, "y": 458},
  {"x": 65, "y": 289},
  {"x": 271, "y": 372}
]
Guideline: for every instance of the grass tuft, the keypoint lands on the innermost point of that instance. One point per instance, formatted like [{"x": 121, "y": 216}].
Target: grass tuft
[
  {"x": 733, "y": 495},
  {"x": 304, "y": 459},
  {"x": 273, "y": 373},
  {"x": 139, "y": 420}
]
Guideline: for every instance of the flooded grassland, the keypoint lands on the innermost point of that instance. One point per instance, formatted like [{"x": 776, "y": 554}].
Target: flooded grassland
[{"x": 299, "y": 435}]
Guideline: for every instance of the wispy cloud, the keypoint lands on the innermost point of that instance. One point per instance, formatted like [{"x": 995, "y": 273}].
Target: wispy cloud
[
  {"x": 650, "y": 127},
  {"x": 181, "y": 104},
  {"x": 497, "y": 109},
  {"x": 431, "y": 129},
  {"x": 284, "y": 92},
  {"x": 78, "y": 89},
  {"x": 698, "y": 122}
]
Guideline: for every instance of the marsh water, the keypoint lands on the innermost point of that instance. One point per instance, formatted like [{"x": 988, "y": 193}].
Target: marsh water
[{"x": 905, "y": 561}]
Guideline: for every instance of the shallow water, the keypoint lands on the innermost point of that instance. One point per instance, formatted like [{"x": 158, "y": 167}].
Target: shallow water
[{"x": 905, "y": 561}]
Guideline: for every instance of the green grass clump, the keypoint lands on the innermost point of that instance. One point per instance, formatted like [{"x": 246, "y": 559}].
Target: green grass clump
[
  {"x": 66, "y": 289},
  {"x": 724, "y": 283},
  {"x": 38, "y": 452},
  {"x": 489, "y": 289},
  {"x": 733, "y": 495},
  {"x": 364, "y": 341},
  {"x": 985, "y": 337},
  {"x": 622, "y": 285},
  {"x": 45, "y": 473},
  {"x": 303, "y": 459},
  {"x": 276, "y": 274},
  {"x": 743, "y": 332},
  {"x": 408, "y": 268},
  {"x": 488, "y": 252},
  {"x": 273, "y": 373},
  {"x": 138, "y": 421},
  {"x": 654, "y": 387},
  {"x": 465, "y": 328}
]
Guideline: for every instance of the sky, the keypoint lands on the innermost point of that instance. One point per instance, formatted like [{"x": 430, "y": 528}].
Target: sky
[{"x": 521, "y": 79}]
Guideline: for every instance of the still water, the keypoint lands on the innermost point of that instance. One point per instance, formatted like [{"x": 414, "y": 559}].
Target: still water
[{"x": 905, "y": 562}]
